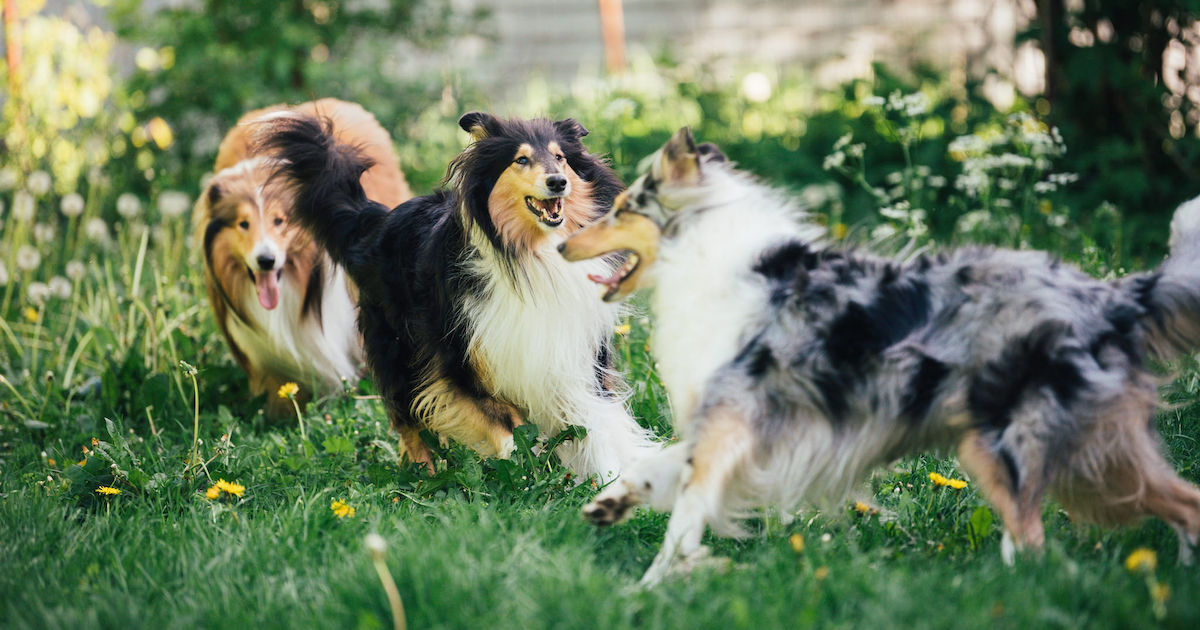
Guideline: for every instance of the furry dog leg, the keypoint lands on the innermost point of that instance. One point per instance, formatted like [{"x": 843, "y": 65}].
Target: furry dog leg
[
  {"x": 653, "y": 481},
  {"x": 723, "y": 442},
  {"x": 485, "y": 424}
]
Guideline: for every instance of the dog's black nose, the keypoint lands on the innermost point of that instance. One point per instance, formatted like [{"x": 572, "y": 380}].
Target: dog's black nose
[
  {"x": 266, "y": 262},
  {"x": 556, "y": 183},
  {"x": 562, "y": 247}
]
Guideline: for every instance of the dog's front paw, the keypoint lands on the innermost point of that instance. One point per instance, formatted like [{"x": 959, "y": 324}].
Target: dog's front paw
[{"x": 611, "y": 506}]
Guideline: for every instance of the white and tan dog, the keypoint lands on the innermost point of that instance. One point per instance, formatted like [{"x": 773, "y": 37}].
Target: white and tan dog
[{"x": 287, "y": 312}]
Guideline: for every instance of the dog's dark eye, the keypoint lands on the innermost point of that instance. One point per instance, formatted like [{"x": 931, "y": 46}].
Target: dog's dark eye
[
  {"x": 245, "y": 225},
  {"x": 559, "y": 158},
  {"x": 522, "y": 160},
  {"x": 278, "y": 221}
]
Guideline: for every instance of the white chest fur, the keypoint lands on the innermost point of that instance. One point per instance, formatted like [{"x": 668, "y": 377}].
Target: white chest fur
[
  {"x": 283, "y": 342},
  {"x": 538, "y": 336}
]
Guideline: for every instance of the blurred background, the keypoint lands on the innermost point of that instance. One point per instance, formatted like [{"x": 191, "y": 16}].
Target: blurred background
[{"x": 1062, "y": 124}]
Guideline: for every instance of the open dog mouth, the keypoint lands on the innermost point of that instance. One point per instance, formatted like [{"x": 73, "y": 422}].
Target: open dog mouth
[
  {"x": 267, "y": 285},
  {"x": 613, "y": 282},
  {"x": 548, "y": 211}
]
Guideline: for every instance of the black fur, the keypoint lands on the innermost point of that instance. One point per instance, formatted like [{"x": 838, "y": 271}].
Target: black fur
[
  {"x": 922, "y": 389},
  {"x": 411, "y": 263}
]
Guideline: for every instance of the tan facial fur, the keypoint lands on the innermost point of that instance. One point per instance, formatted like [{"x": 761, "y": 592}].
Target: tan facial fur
[
  {"x": 523, "y": 183},
  {"x": 620, "y": 230}
]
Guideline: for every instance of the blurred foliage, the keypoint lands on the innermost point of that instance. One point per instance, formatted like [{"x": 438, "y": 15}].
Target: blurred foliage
[
  {"x": 204, "y": 64},
  {"x": 1122, "y": 85}
]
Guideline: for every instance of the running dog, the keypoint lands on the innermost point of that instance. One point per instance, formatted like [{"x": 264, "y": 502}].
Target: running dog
[
  {"x": 471, "y": 321},
  {"x": 285, "y": 309},
  {"x": 796, "y": 368}
]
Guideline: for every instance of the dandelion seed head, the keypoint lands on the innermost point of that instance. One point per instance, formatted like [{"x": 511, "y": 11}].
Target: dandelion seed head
[
  {"x": 75, "y": 270},
  {"x": 60, "y": 287},
  {"x": 23, "y": 206},
  {"x": 375, "y": 544},
  {"x": 8, "y": 178},
  {"x": 43, "y": 232},
  {"x": 28, "y": 258},
  {"x": 756, "y": 87},
  {"x": 96, "y": 230},
  {"x": 39, "y": 183},
  {"x": 72, "y": 205},
  {"x": 173, "y": 203},
  {"x": 128, "y": 205}
]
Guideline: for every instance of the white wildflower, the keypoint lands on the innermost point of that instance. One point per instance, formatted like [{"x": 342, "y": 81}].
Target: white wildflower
[
  {"x": 973, "y": 220},
  {"x": 72, "y": 205},
  {"x": 1003, "y": 203},
  {"x": 971, "y": 182},
  {"x": 856, "y": 150},
  {"x": 38, "y": 183},
  {"x": 173, "y": 203},
  {"x": 28, "y": 258},
  {"x": 874, "y": 101},
  {"x": 937, "y": 181},
  {"x": 60, "y": 287},
  {"x": 38, "y": 292},
  {"x": 756, "y": 87},
  {"x": 76, "y": 270},
  {"x": 1062, "y": 179},
  {"x": 843, "y": 141},
  {"x": 43, "y": 233},
  {"x": 1042, "y": 188},
  {"x": 963, "y": 146},
  {"x": 96, "y": 230},
  {"x": 1004, "y": 183},
  {"x": 895, "y": 177},
  {"x": 8, "y": 178},
  {"x": 23, "y": 206},
  {"x": 883, "y": 231},
  {"x": 834, "y": 160},
  {"x": 128, "y": 205}
]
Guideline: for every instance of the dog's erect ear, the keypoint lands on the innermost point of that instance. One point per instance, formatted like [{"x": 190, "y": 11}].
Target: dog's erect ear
[
  {"x": 571, "y": 128},
  {"x": 710, "y": 153},
  {"x": 679, "y": 162},
  {"x": 214, "y": 194},
  {"x": 479, "y": 125}
]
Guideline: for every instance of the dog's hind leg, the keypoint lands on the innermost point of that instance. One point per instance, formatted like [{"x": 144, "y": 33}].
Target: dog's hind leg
[
  {"x": 653, "y": 480},
  {"x": 723, "y": 441},
  {"x": 1019, "y": 501},
  {"x": 479, "y": 421}
]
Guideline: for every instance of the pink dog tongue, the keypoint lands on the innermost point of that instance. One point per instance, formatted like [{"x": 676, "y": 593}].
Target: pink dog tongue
[{"x": 268, "y": 289}]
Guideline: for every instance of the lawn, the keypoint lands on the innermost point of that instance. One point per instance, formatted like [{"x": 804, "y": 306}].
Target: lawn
[{"x": 483, "y": 543}]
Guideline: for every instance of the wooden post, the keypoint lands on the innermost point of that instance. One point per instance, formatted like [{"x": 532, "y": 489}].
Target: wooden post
[
  {"x": 612, "y": 27},
  {"x": 12, "y": 40}
]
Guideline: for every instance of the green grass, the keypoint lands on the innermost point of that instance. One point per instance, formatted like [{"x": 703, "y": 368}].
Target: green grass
[{"x": 483, "y": 543}]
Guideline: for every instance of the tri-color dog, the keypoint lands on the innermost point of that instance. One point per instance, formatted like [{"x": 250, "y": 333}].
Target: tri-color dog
[
  {"x": 795, "y": 368},
  {"x": 471, "y": 321},
  {"x": 285, "y": 309}
]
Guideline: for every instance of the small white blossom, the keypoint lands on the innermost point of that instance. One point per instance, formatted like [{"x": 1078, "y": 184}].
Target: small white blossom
[
  {"x": 937, "y": 181},
  {"x": 43, "y": 233},
  {"x": 834, "y": 160},
  {"x": 72, "y": 205},
  {"x": 38, "y": 292},
  {"x": 23, "y": 206},
  {"x": 60, "y": 287},
  {"x": 39, "y": 183},
  {"x": 96, "y": 230},
  {"x": 856, "y": 150},
  {"x": 874, "y": 101},
  {"x": 76, "y": 270},
  {"x": 173, "y": 203},
  {"x": 375, "y": 544},
  {"x": 8, "y": 178},
  {"x": 1042, "y": 188},
  {"x": 28, "y": 258},
  {"x": 128, "y": 205},
  {"x": 842, "y": 142}
]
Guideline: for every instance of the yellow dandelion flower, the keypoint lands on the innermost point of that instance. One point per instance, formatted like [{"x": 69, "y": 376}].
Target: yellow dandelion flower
[
  {"x": 623, "y": 329},
  {"x": 213, "y": 493},
  {"x": 1045, "y": 207},
  {"x": 109, "y": 490},
  {"x": 839, "y": 230},
  {"x": 821, "y": 573},
  {"x": 797, "y": 542},
  {"x": 939, "y": 480},
  {"x": 342, "y": 509},
  {"x": 31, "y": 314},
  {"x": 287, "y": 390},
  {"x": 863, "y": 508},
  {"x": 235, "y": 489},
  {"x": 1142, "y": 560},
  {"x": 81, "y": 463},
  {"x": 50, "y": 461}
]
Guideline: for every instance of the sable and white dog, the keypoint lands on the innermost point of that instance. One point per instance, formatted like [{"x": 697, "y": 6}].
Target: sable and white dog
[
  {"x": 287, "y": 312},
  {"x": 795, "y": 368}
]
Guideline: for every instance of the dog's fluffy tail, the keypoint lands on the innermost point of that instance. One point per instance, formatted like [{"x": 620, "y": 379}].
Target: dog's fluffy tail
[
  {"x": 324, "y": 176},
  {"x": 1171, "y": 295}
]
